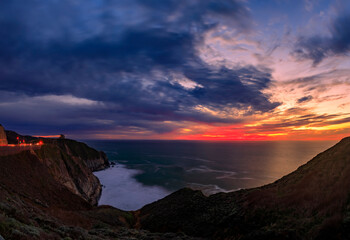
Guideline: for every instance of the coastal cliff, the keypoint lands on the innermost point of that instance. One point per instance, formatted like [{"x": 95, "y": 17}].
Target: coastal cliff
[
  {"x": 71, "y": 163},
  {"x": 50, "y": 193},
  {"x": 82, "y": 153}
]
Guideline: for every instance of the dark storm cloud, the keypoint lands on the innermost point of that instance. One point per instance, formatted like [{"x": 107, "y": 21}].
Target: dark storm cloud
[
  {"x": 304, "y": 99},
  {"x": 318, "y": 47},
  {"x": 226, "y": 87},
  {"x": 205, "y": 13},
  {"x": 124, "y": 55}
]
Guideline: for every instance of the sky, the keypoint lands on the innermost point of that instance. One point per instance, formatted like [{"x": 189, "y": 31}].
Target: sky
[{"x": 176, "y": 69}]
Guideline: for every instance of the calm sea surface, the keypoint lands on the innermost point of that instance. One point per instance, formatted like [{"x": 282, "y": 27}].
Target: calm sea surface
[{"x": 148, "y": 170}]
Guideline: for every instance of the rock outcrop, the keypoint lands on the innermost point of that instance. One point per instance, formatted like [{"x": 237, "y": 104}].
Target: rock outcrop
[
  {"x": 71, "y": 163},
  {"x": 94, "y": 160},
  {"x": 3, "y": 138}
]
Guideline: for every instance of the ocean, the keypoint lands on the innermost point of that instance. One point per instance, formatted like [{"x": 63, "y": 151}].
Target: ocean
[{"x": 148, "y": 170}]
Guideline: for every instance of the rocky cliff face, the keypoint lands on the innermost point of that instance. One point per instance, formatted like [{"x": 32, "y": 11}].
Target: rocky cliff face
[
  {"x": 94, "y": 160},
  {"x": 71, "y": 163}
]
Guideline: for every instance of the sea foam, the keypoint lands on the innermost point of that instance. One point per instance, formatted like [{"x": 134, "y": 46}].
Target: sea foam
[{"x": 122, "y": 191}]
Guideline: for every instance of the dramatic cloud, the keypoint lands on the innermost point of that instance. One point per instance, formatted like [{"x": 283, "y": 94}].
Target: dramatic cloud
[
  {"x": 134, "y": 58},
  {"x": 172, "y": 68},
  {"x": 319, "y": 47}
]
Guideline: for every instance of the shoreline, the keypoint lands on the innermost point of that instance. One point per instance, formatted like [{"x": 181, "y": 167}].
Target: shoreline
[{"x": 121, "y": 190}]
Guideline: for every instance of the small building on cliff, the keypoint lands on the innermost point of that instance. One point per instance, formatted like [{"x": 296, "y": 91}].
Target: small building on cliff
[{"x": 3, "y": 138}]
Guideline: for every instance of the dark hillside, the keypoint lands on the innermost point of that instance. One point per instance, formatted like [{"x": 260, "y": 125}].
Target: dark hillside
[
  {"x": 49, "y": 193},
  {"x": 310, "y": 203}
]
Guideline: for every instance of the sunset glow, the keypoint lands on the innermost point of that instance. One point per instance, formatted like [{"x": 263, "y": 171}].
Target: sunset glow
[{"x": 192, "y": 70}]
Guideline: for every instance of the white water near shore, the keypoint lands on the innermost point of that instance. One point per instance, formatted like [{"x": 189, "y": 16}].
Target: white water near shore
[
  {"x": 122, "y": 191},
  {"x": 149, "y": 170}
]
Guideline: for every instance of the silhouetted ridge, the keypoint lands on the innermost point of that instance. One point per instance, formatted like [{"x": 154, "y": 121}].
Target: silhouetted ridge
[{"x": 310, "y": 203}]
